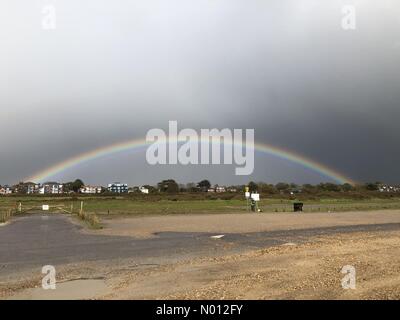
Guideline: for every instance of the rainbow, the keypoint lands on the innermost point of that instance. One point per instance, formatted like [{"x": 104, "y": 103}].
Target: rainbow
[{"x": 279, "y": 152}]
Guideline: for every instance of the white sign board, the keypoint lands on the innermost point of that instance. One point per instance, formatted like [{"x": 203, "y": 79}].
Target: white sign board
[
  {"x": 255, "y": 196},
  {"x": 45, "y": 207},
  {"x": 247, "y": 195}
]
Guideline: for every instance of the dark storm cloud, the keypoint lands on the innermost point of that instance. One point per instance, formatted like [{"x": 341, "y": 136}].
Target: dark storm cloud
[{"x": 111, "y": 71}]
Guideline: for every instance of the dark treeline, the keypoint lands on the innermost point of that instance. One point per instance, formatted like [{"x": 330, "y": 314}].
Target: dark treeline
[
  {"x": 172, "y": 190},
  {"x": 171, "y": 186}
]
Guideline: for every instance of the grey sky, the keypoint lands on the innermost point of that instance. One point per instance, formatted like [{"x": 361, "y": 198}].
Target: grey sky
[{"x": 112, "y": 70}]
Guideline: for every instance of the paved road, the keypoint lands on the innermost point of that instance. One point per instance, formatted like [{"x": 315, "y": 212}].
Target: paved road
[{"x": 39, "y": 239}]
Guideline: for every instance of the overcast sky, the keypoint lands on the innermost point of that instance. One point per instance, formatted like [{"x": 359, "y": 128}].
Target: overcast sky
[{"x": 112, "y": 70}]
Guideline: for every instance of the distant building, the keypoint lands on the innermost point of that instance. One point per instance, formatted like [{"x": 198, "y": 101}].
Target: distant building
[
  {"x": 144, "y": 190},
  {"x": 133, "y": 190},
  {"x": 387, "y": 188},
  {"x": 118, "y": 187},
  {"x": 91, "y": 189},
  {"x": 31, "y": 187},
  {"x": 210, "y": 190},
  {"x": 17, "y": 189},
  {"x": 5, "y": 190},
  {"x": 52, "y": 188},
  {"x": 220, "y": 189}
]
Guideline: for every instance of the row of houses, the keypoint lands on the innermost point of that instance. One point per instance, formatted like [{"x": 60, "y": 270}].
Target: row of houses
[
  {"x": 31, "y": 188},
  {"x": 220, "y": 189},
  {"x": 59, "y": 188},
  {"x": 388, "y": 188},
  {"x": 6, "y": 190}
]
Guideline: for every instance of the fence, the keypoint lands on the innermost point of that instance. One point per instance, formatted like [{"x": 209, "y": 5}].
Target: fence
[
  {"x": 5, "y": 215},
  {"x": 91, "y": 218}
]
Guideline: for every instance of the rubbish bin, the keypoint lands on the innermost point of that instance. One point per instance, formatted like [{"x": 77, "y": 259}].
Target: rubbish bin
[
  {"x": 253, "y": 205},
  {"x": 297, "y": 206}
]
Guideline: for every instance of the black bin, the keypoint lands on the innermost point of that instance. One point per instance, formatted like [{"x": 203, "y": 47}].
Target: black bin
[
  {"x": 297, "y": 206},
  {"x": 253, "y": 205}
]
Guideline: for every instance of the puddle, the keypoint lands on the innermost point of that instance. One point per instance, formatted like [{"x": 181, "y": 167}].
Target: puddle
[{"x": 70, "y": 290}]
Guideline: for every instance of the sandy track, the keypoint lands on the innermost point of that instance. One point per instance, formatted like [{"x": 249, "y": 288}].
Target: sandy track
[
  {"x": 306, "y": 271},
  {"x": 245, "y": 222}
]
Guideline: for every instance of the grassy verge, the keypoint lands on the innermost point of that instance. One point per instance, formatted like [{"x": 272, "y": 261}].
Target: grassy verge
[
  {"x": 91, "y": 219},
  {"x": 165, "y": 207},
  {"x": 169, "y": 204}
]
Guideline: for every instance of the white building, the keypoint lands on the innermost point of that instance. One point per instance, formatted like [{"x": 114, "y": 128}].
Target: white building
[
  {"x": 52, "y": 188},
  {"x": 5, "y": 190},
  {"x": 387, "y": 188},
  {"x": 90, "y": 189},
  {"x": 144, "y": 190},
  {"x": 32, "y": 188},
  {"x": 118, "y": 187}
]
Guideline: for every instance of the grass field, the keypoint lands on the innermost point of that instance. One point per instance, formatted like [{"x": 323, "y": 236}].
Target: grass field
[{"x": 114, "y": 205}]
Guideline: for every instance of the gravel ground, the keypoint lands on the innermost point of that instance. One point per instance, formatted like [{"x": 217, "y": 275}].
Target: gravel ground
[
  {"x": 307, "y": 271},
  {"x": 309, "y": 268},
  {"x": 145, "y": 227}
]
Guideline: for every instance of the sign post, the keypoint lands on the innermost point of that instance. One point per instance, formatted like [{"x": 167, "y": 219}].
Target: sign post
[
  {"x": 255, "y": 197},
  {"x": 247, "y": 195}
]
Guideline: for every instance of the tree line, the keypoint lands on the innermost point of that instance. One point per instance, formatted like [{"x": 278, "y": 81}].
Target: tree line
[{"x": 171, "y": 186}]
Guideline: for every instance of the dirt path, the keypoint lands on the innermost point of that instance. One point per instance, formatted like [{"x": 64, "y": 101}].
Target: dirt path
[
  {"x": 307, "y": 271},
  {"x": 145, "y": 227}
]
